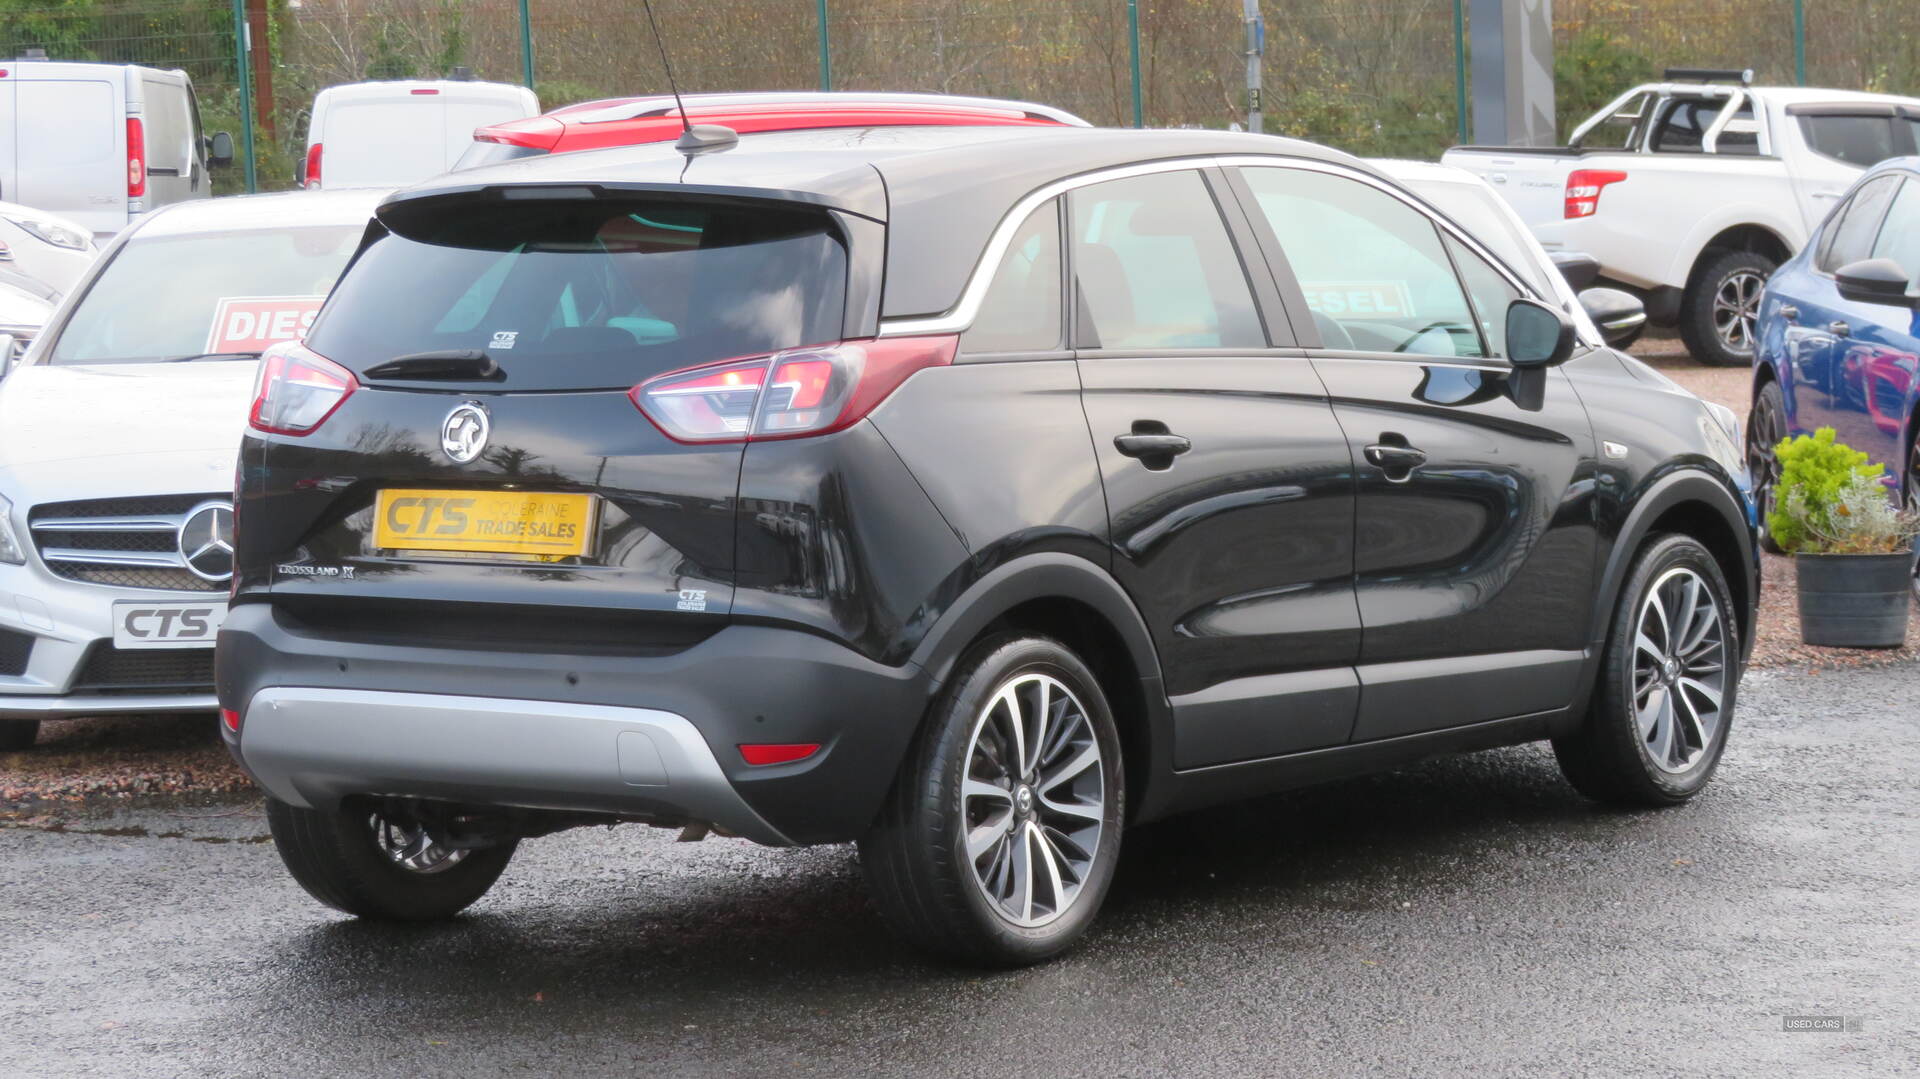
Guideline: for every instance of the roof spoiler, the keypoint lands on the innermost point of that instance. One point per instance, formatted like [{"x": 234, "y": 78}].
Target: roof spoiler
[{"x": 1743, "y": 76}]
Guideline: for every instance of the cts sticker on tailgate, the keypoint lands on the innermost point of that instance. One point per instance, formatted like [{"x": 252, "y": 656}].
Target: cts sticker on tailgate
[
  {"x": 545, "y": 526},
  {"x": 252, "y": 323}
]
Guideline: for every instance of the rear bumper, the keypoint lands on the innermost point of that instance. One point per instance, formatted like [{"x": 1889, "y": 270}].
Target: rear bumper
[
  {"x": 324, "y": 719},
  {"x": 313, "y": 747}
]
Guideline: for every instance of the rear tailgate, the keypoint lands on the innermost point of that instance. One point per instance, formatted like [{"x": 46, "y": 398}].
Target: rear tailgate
[
  {"x": 70, "y": 143},
  {"x": 507, "y": 474},
  {"x": 1533, "y": 182}
]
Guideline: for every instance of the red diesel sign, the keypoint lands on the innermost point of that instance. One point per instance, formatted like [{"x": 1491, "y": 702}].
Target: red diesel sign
[{"x": 251, "y": 323}]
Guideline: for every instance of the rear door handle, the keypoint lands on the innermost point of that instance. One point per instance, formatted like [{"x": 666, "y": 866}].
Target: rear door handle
[
  {"x": 1397, "y": 461},
  {"x": 1155, "y": 449},
  {"x": 1839, "y": 328}
]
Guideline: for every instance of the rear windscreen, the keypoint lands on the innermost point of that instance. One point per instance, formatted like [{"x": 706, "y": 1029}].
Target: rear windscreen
[{"x": 591, "y": 294}]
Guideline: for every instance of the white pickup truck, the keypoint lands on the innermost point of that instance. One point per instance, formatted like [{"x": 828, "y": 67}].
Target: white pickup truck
[{"x": 1690, "y": 193}]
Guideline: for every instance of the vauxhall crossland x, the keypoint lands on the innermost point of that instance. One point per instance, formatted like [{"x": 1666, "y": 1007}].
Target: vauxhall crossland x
[{"x": 968, "y": 493}]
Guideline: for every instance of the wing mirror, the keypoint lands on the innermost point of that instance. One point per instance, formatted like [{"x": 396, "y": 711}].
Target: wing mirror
[
  {"x": 219, "y": 150},
  {"x": 1620, "y": 315},
  {"x": 1880, "y": 281},
  {"x": 1537, "y": 335}
]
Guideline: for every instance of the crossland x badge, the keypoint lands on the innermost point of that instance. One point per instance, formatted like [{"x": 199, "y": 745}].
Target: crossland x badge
[
  {"x": 206, "y": 541},
  {"x": 464, "y": 433}
]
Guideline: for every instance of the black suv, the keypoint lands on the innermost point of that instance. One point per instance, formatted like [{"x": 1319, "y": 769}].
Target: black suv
[{"x": 971, "y": 494}]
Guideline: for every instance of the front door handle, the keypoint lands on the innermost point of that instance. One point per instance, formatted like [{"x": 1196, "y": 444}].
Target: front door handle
[
  {"x": 1839, "y": 328},
  {"x": 1789, "y": 312},
  {"x": 1396, "y": 459}
]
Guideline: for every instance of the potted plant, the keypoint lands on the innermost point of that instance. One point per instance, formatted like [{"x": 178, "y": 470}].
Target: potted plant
[{"x": 1852, "y": 547}]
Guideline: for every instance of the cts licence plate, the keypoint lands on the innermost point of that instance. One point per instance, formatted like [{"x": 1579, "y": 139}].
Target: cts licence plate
[
  {"x": 139, "y": 624},
  {"x": 546, "y": 527}
]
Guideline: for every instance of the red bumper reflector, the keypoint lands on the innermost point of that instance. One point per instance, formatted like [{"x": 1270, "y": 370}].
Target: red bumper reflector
[
  {"x": 778, "y": 754},
  {"x": 231, "y": 718}
]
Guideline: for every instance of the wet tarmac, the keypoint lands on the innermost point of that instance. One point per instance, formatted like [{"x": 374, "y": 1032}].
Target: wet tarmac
[{"x": 1470, "y": 915}]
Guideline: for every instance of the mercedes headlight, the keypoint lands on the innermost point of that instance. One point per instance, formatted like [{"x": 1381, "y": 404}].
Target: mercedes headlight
[
  {"x": 10, "y": 549},
  {"x": 54, "y": 232}
]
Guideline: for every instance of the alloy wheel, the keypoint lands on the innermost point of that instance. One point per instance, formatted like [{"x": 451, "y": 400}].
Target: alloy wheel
[
  {"x": 1736, "y": 310},
  {"x": 411, "y": 846},
  {"x": 1033, "y": 799},
  {"x": 1679, "y": 669}
]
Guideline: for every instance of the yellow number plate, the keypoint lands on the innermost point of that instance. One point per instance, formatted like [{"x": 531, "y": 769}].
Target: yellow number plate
[{"x": 547, "y": 526}]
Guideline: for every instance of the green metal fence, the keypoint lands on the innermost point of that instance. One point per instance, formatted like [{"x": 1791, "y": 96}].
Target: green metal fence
[{"x": 1382, "y": 77}]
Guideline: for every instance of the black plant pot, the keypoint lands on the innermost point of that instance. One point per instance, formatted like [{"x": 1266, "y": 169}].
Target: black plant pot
[{"x": 1854, "y": 600}]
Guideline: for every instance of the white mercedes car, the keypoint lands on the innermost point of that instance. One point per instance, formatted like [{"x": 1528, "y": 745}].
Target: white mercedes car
[{"x": 118, "y": 434}]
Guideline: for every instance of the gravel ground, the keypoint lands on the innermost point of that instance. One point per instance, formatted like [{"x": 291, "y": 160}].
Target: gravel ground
[
  {"x": 1467, "y": 916},
  {"x": 1779, "y": 638},
  {"x": 117, "y": 759}
]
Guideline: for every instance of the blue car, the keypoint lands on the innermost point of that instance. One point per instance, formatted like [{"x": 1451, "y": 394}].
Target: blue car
[{"x": 1840, "y": 335}]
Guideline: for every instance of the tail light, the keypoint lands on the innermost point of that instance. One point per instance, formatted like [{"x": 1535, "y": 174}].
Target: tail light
[
  {"x": 1584, "y": 187},
  {"x": 136, "y": 158},
  {"x": 792, "y": 394},
  {"x": 313, "y": 165},
  {"x": 297, "y": 389}
]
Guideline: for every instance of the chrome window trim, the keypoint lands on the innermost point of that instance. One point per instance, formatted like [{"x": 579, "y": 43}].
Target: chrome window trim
[{"x": 959, "y": 318}]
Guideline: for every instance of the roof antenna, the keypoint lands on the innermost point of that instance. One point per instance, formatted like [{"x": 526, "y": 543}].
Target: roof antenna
[{"x": 694, "y": 138}]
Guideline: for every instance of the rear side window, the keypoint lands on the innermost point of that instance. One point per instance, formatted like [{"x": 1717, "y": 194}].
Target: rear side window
[
  {"x": 1900, "y": 232},
  {"x": 1156, "y": 268},
  {"x": 1684, "y": 122},
  {"x": 1849, "y": 236},
  {"x": 1621, "y": 128},
  {"x": 1374, "y": 271},
  {"x": 591, "y": 294},
  {"x": 1021, "y": 312},
  {"x": 1857, "y": 140}
]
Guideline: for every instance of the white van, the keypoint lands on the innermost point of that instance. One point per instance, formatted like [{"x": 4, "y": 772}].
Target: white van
[
  {"x": 390, "y": 134},
  {"x": 100, "y": 144}
]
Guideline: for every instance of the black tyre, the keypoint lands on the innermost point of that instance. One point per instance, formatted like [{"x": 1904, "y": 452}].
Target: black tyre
[
  {"x": 1721, "y": 310},
  {"x": 1665, "y": 699},
  {"x": 387, "y": 868},
  {"x": 18, "y": 734},
  {"x": 999, "y": 839},
  {"x": 1912, "y": 480},
  {"x": 1766, "y": 426}
]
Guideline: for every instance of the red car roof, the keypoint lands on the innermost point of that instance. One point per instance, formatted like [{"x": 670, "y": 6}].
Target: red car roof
[{"x": 595, "y": 125}]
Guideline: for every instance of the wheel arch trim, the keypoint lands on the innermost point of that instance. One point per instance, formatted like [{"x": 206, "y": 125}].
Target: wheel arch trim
[
  {"x": 1031, "y": 577},
  {"x": 1677, "y": 488}
]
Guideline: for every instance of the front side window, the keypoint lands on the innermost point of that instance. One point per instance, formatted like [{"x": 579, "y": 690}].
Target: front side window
[
  {"x": 1899, "y": 238},
  {"x": 1857, "y": 140},
  {"x": 1490, "y": 292},
  {"x": 1849, "y": 236},
  {"x": 1156, "y": 269},
  {"x": 227, "y": 294},
  {"x": 1374, "y": 270},
  {"x": 1021, "y": 312}
]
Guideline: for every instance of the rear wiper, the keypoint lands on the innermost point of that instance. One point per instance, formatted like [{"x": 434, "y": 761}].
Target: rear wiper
[
  {"x": 211, "y": 356},
  {"x": 461, "y": 363}
]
